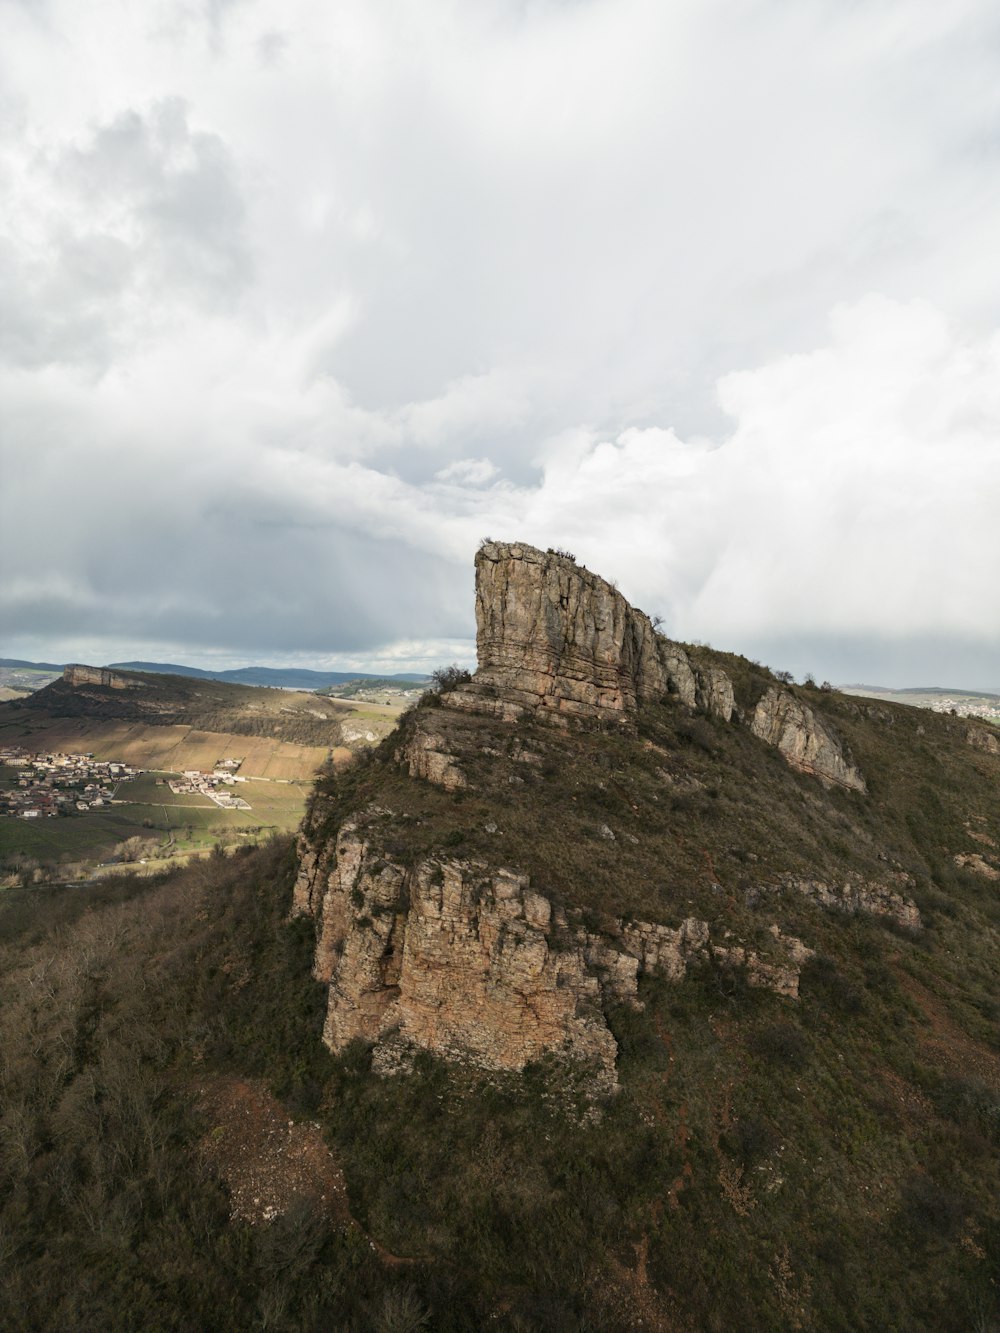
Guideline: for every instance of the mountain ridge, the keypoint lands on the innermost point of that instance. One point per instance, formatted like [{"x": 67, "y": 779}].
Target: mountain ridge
[{"x": 280, "y": 677}]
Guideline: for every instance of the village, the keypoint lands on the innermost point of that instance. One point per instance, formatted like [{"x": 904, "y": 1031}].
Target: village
[
  {"x": 59, "y": 784},
  {"x": 988, "y": 710},
  {"x": 225, "y": 774},
  {"x": 49, "y": 785}
]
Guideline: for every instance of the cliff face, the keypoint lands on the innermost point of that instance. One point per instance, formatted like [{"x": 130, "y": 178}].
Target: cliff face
[
  {"x": 465, "y": 955},
  {"x": 552, "y": 637},
  {"x": 88, "y": 675},
  {"x": 453, "y": 957},
  {"x": 806, "y": 742},
  {"x": 557, "y": 642},
  {"x": 470, "y": 962}
]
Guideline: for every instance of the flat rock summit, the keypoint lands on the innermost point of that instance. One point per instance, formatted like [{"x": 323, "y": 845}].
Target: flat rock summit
[
  {"x": 469, "y": 956},
  {"x": 562, "y": 644}
]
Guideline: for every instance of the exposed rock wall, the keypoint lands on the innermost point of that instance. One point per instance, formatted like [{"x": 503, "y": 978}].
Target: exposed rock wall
[
  {"x": 986, "y": 739},
  {"x": 88, "y": 675},
  {"x": 551, "y": 637},
  {"x": 473, "y": 964},
  {"x": 714, "y": 693},
  {"x": 854, "y": 896},
  {"x": 558, "y": 642},
  {"x": 455, "y": 958},
  {"x": 426, "y": 755},
  {"x": 805, "y": 741}
]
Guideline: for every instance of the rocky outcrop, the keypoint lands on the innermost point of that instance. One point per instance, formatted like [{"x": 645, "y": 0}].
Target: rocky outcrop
[
  {"x": 471, "y": 963},
  {"x": 454, "y": 958},
  {"x": 559, "y": 643},
  {"x": 426, "y": 755},
  {"x": 469, "y": 960},
  {"x": 88, "y": 675},
  {"x": 977, "y": 864},
  {"x": 555, "y": 640},
  {"x": 714, "y": 693},
  {"x": 854, "y": 896},
  {"x": 805, "y": 741},
  {"x": 986, "y": 739}
]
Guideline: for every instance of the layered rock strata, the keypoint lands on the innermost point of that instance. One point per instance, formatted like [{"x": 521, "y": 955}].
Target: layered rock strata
[
  {"x": 425, "y": 755},
  {"x": 88, "y": 675},
  {"x": 554, "y": 639},
  {"x": 473, "y": 964},
  {"x": 557, "y": 642},
  {"x": 805, "y": 741},
  {"x": 854, "y": 897}
]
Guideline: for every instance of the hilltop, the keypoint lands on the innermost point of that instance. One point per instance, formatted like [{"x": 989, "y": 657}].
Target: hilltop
[
  {"x": 762, "y": 917},
  {"x": 628, "y": 984},
  {"x": 34, "y": 674},
  {"x": 964, "y": 703},
  {"x": 92, "y": 697}
]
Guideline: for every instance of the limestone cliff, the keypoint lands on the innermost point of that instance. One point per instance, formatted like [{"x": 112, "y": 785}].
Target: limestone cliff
[
  {"x": 805, "y": 741},
  {"x": 453, "y": 957},
  {"x": 470, "y": 962},
  {"x": 556, "y": 642},
  {"x": 88, "y": 675},
  {"x": 554, "y": 638}
]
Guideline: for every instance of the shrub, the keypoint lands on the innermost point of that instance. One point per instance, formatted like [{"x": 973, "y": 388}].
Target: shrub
[
  {"x": 699, "y": 733},
  {"x": 929, "y": 1208},
  {"x": 783, "y": 1043},
  {"x": 448, "y": 678},
  {"x": 750, "y": 1140}
]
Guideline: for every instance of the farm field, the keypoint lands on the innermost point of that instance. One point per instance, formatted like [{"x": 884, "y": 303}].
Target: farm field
[
  {"x": 168, "y": 749},
  {"x": 164, "y": 726},
  {"x": 180, "y": 826},
  {"x": 177, "y": 826}
]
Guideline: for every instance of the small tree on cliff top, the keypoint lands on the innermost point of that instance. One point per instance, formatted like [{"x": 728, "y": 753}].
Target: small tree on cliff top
[{"x": 447, "y": 678}]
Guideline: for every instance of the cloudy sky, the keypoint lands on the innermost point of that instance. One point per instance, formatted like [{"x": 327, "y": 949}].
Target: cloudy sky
[{"x": 300, "y": 300}]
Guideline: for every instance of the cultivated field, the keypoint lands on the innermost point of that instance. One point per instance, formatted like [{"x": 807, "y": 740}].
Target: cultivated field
[
  {"x": 168, "y": 749},
  {"x": 177, "y": 826},
  {"x": 166, "y": 725}
]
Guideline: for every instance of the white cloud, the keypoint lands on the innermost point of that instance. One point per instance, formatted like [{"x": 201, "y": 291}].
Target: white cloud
[
  {"x": 302, "y": 300},
  {"x": 468, "y": 472}
]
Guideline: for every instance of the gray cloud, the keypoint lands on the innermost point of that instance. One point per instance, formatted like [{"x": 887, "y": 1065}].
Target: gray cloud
[
  {"x": 295, "y": 314},
  {"x": 173, "y": 191}
]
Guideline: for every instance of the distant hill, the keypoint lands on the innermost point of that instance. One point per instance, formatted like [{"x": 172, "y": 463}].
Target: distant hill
[
  {"x": 873, "y": 690},
  {"x": 965, "y": 703},
  {"x": 18, "y": 679},
  {"x": 287, "y": 678},
  {"x": 31, "y": 666},
  {"x": 202, "y": 702},
  {"x": 293, "y": 678}
]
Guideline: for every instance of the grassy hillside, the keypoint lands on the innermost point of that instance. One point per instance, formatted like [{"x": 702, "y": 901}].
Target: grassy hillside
[
  {"x": 827, "y": 1164},
  {"x": 207, "y": 705}
]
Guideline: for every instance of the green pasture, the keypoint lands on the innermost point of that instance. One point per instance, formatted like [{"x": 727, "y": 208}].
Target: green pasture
[{"x": 182, "y": 825}]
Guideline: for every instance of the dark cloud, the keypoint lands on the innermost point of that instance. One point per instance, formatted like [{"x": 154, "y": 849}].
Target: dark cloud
[{"x": 299, "y": 303}]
